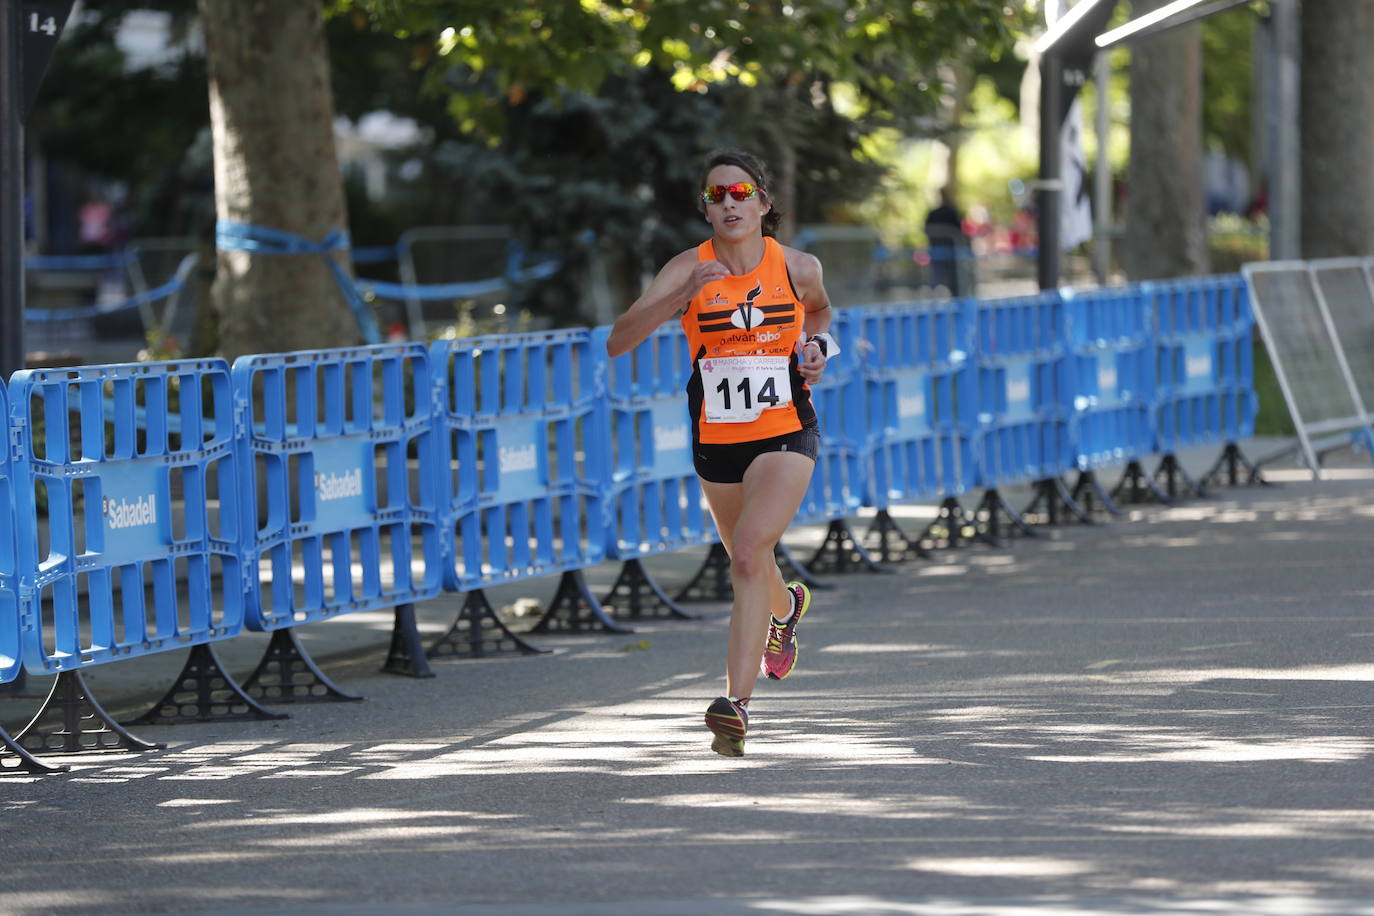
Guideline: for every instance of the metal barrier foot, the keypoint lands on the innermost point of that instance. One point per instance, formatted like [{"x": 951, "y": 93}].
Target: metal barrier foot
[
  {"x": 642, "y": 593},
  {"x": 988, "y": 514},
  {"x": 1229, "y": 465},
  {"x": 14, "y": 759},
  {"x": 1172, "y": 472},
  {"x": 799, "y": 571},
  {"x": 712, "y": 581},
  {"x": 72, "y": 722},
  {"x": 1087, "y": 489},
  {"x": 841, "y": 552},
  {"x": 205, "y": 692},
  {"x": 574, "y": 609},
  {"x": 893, "y": 545},
  {"x": 952, "y": 525},
  {"x": 478, "y": 632},
  {"x": 1056, "y": 498},
  {"x": 287, "y": 674},
  {"x": 407, "y": 655},
  {"x": 1139, "y": 487}
]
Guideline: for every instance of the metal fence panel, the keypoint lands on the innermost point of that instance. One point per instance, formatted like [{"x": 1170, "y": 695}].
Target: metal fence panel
[
  {"x": 1302, "y": 342},
  {"x": 339, "y": 481},
  {"x": 1347, "y": 287},
  {"x": 127, "y": 500},
  {"x": 522, "y": 420}
]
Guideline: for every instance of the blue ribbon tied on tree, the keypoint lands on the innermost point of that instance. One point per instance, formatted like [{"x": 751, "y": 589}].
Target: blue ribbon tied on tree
[{"x": 232, "y": 236}]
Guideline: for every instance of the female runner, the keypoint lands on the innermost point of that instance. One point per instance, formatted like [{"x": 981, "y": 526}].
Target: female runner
[{"x": 756, "y": 315}]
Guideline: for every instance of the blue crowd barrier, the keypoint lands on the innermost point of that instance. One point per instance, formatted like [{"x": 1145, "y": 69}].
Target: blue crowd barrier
[
  {"x": 1108, "y": 380},
  {"x": 1020, "y": 426},
  {"x": 141, "y": 549},
  {"x": 299, "y": 486},
  {"x": 11, "y": 654},
  {"x": 340, "y": 487},
  {"x": 838, "y": 482},
  {"x": 653, "y": 495},
  {"x": 522, "y": 431},
  {"x": 1204, "y": 327},
  {"x": 914, "y": 358}
]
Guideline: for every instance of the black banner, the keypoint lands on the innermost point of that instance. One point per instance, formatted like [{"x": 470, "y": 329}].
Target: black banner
[{"x": 40, "y": 24}]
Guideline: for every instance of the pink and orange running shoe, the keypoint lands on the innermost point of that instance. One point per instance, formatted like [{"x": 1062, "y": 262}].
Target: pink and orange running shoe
[{"x": 780, "y": 652}]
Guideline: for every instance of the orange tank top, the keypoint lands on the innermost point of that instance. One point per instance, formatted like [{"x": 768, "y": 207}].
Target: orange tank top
[{"x": 742, "y": 332}]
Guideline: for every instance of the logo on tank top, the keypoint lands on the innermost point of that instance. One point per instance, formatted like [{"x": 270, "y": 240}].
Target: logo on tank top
[{"x": 745, "y": 316}]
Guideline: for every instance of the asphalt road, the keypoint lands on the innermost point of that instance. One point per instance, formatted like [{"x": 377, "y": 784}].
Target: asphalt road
[{"x": 1167, "y": 713}]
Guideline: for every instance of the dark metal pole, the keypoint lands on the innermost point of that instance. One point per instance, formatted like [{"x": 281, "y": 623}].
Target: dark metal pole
[
  {"x": 1050, "y": 192},
  {"x": 11, "y": 192}
]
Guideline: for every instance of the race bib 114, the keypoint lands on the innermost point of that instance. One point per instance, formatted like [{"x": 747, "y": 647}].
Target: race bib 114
[{"x": 739, "y": 388}]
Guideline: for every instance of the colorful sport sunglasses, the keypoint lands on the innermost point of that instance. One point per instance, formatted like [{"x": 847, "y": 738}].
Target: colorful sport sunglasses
[{"x": 740, "y": 190}]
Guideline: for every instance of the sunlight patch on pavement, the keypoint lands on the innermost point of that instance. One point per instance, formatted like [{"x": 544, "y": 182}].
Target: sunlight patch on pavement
[
  {"x": 1362, "y": 673},
  {"x": 1325, "y": 749},
  {"x": 1003, "y": 867},
  {"x": 1303, "y": 475},
  {"x": 866, "y": 648},
  {"x": 195, "y": 802},
  {"x": 1248, "y": 823},
  {"x": 831, "y": 803}
]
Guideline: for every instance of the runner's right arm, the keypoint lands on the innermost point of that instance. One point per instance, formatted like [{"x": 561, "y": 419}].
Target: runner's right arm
[{"x": 667, "y": 297}]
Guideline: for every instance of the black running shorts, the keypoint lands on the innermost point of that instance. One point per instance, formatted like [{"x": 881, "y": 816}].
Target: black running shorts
[{"x": 726, "y": 463}]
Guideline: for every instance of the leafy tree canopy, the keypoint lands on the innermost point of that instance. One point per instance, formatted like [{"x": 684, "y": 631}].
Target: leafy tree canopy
[{"x": 484, "y": 53}]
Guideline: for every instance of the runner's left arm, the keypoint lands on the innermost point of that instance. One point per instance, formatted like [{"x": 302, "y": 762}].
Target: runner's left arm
[{"x": 808, "y": 279}]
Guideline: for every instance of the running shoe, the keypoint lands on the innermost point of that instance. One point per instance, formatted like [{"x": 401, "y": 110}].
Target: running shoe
[
  {"x": 780, "y": 652},
  {"x": 728, "y": 721}
]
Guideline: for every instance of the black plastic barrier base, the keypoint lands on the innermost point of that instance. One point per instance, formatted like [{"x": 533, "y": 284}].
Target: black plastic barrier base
[
  {"x": 1137, "y": 486},
  {"x": 205, "y": 692},
  {"x": 71, "y": 721},
  {"x": 890, "y": 542},
  {"x": 1054, "y": 503},
  {"x": 712, "y": 581},
  {"x": 953, "y": 526},
  {"x": 1228, "y": 468},
  {"x": 794, "y": 569},
  {"x": 407, "y": 655},
  {"x": 842, "y": 552},
  {"x": 1176, "y": 480},
  {"x": 478, "y": 632},
  {"x": 636, "y": 595},
  {"x": 993, "y": 510},
  {"x": 1088, "y": 493},
  {"x": 287, "y": 674},
  {"x": 14, "y": 759},
  {"x": 574, "y": 609},
  {"x": 18, "y": 687}
]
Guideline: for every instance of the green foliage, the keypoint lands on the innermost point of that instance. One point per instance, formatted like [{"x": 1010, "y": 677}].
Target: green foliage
[
  {"x": 499, "y": 51},
  {"x": 1233, "y": 241},
  {"x": 1227, "y": 79},
  {"x": 1273, "y": 418}
]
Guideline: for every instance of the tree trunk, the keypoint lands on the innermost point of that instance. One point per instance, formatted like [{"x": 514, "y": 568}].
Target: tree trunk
[
  {"x": 1166, "y": 230},
  {"x": 272, "y": 114},
  {"x": 1337, "y": 129}
]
